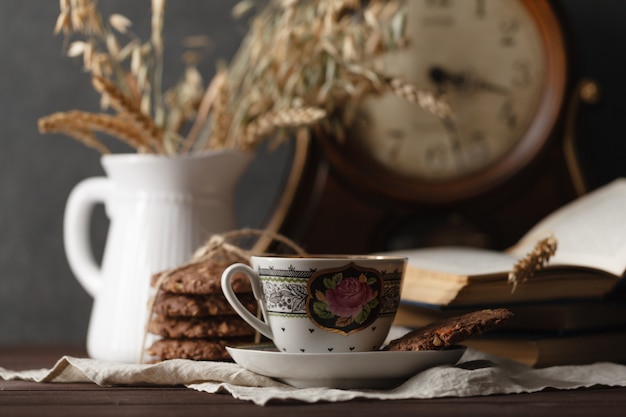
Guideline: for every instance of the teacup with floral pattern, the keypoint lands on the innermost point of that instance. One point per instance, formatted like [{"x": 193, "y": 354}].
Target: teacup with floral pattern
[{"x": 321, "y": 303}]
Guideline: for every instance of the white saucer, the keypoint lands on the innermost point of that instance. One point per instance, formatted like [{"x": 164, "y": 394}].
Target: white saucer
[{"x": 376, "y": 369}]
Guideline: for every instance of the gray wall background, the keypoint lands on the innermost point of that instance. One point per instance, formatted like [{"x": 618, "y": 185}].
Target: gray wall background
[{"x": 40, "y": 301}]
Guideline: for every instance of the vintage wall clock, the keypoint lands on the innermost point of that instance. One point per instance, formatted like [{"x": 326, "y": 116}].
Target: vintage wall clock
[
  {"x": 501, "y": 65},
  {"x": 405, "y": 178}
]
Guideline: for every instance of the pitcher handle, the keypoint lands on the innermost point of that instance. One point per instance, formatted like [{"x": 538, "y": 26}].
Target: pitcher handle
[
  {"x": 78, "y": 250},
  {"x": 231, "y": 297}
]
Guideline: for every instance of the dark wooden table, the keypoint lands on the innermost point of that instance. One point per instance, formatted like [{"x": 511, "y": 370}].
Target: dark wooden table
[{"x": 19, "y": 398}]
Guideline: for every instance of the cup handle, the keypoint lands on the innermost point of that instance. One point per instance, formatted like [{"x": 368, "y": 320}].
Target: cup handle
[
  {"x": 78, "y": 250},
  {"x": 243, "y": 312}
]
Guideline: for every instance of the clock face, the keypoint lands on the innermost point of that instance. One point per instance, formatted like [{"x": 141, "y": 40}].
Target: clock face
[{"x": 500, "y": 66}]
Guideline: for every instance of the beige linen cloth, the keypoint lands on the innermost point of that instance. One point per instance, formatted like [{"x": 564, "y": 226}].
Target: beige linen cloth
[{"x": 475, "y": 374}]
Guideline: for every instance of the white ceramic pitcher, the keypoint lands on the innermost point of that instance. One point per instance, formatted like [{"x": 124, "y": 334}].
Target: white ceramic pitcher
[{"x": 161, "y": 209}]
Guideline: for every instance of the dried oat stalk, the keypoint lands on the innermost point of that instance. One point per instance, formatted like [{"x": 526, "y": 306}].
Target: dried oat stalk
[
  {"x": 127, "y": 72},
  {"x": 533, "y": 262},
  {"x": 319, "y": 54},
  {"x": 303, "y": 63}
]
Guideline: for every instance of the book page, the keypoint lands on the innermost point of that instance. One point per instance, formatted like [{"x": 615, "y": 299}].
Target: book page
[
  {"x": 459, "y": 260},
  {"x": 590, "y": 231}
]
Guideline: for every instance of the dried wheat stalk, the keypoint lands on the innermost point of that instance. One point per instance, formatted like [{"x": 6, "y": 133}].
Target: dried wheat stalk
[
  {"x": 533, "y": 262},
  {"x": 318, "y": 54},
  {"x": 425, "y": 99},
  {"x": 269, "y": 122},
  {"x": 222, "y": 117},
  {"x": 81, "y": 122},
  {"x": 128, "y": 75},
  {"x": 156, "y": 41},
  {"x": 129, "y": 109},
  {"x": 51, "y": 125},
  {"x": 302, "y": 61},
  {"x": 204, "y": 111}
]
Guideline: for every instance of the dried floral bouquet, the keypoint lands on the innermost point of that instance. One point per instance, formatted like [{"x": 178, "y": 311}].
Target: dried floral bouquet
[{"x": 303, "y": 63}]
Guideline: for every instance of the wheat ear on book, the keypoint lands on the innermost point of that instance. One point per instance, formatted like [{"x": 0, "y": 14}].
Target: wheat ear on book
[{"x": 534, "y": 261}]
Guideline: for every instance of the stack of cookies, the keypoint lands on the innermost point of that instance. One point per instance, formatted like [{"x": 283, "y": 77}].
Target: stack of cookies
[{"x": 191, "y": 317}]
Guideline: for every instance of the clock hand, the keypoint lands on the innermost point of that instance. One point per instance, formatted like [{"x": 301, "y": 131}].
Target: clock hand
[
  {"x": 441, "y": 77},
  {"x": 463, "y": 81},
  {"x": 487, "y": 86}
]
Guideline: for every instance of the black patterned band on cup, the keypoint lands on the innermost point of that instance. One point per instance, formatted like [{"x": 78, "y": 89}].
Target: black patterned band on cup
[{"x": 343, "y": 300}]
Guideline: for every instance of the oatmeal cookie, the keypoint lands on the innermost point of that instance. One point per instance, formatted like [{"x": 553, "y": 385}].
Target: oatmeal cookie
[
  {"x": 191, "y": 305},
  {"x": 196, "y": 349},
  {"x": 201, "y": 278},
  {"x": 183, "y": 327},
  {"x": 448, "y": 332}
]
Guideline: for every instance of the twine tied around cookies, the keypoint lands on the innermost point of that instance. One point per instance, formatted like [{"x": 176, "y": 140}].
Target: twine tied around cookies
[{"x": 224, "y": 249}]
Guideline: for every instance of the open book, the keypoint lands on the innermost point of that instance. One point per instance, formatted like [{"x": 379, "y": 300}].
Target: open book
[{"x": 589, "y": 261}]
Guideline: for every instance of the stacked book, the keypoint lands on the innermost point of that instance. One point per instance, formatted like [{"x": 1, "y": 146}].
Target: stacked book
[{"x": 571, "y": 311}]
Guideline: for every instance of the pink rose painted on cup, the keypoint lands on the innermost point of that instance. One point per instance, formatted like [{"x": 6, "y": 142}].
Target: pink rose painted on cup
[
  {"x": 349, "y": 297},
  {"x": 344, "y": 300}
]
